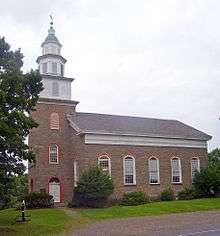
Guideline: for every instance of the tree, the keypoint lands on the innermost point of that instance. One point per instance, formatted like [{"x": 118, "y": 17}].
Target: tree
[
  {"x": 6, "y": 190},
  {"x": 207, "y": 181},
  {"x": 93, "y": 188},
  {"x": 20, "y": 189},
  {"x": 19, "y": 93},
  {"x": 214, "y": 156},
  {"x": 13, "y": 188}
]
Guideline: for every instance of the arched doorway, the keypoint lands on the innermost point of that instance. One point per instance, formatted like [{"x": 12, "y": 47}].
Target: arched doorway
[{"x": 54, "y": 189}]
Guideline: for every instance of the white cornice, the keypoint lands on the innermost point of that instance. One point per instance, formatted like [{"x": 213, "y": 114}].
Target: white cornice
[
  {"x": 118, "y": 133},
  {"x": 57, "y": 103},
  {"x": 143, "y": 141}
]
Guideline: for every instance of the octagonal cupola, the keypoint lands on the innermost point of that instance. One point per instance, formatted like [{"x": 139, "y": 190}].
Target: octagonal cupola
[
  {"x": 51, "y": 66},
  {"x": 51, "y": 61}
]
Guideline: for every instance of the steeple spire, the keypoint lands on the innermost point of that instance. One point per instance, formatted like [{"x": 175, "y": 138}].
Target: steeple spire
[
  {"x": 51, "y": 23},
  {"x": 51, "y": 31},
  {"x": 51, "y": 38}
]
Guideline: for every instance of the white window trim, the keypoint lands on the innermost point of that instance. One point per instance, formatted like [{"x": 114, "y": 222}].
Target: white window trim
[
  {"x": 158, "y": 173},
  {"x": 54, "y": 163},
  {"x": 75, "y": 169},
  {"x": 134, "y": 171},
  {"x": 180, "y": 168},
  {"x": 109, "y": 163},
  {"x": 191, "y": 166}
]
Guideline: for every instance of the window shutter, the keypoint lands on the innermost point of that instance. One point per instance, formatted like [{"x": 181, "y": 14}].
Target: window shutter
[{"x": 54, "y": 121}]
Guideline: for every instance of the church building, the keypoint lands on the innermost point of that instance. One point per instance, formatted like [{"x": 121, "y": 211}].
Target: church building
[{"x": 140, "y": 154}]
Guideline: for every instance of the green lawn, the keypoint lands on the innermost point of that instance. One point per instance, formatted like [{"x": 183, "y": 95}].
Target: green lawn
[
  {"x": 51, "y": 221},
  {"x": 43, "y": 222},
  {"x": 155, "y": 208}
]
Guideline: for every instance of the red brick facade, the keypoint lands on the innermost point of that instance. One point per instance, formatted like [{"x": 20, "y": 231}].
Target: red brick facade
[{"x": 72, "y": 147}]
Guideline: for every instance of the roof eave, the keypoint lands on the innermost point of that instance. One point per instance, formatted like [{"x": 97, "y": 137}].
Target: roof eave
[
  {"x": 141, "y": 135},
  {"x": 48, "y": 76},
  {"x": 51, "y": 55}
]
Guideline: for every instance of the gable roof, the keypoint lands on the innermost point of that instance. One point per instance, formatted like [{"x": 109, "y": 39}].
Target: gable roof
[{"x": 135, "y": 126}]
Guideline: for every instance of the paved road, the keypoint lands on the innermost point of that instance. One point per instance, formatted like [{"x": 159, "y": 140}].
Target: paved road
[
  {"x": 213, "y": 232},
  {"x": 187, "y": 224}
]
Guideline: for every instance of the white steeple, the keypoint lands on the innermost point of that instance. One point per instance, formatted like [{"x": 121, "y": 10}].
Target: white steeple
[{"x": 51, "y": 66}]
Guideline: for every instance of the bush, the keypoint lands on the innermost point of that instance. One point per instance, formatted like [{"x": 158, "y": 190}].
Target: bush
[
  {"x": 167, "y": 195},
  {"x": 93, "y": 188},
  {"x": 134, "y": 198},
  {"x": 38, "y": 200},
  {"x": 187, "y": 194},
  {"x": 207, "y": 181}
]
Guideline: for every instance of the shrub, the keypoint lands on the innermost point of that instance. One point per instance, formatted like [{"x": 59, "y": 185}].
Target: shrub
[
  {"x": 93, "y": 188},
  {"x": 187, "y": 194},
  {"x": 39, "y": 200},
  {"x": 167, "y": 195},
  {"x": 207, "y": 181},
  {"x": 134, "y": 198}
]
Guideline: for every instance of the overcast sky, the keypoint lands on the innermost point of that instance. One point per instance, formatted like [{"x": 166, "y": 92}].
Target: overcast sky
[{"x": 151, "y": 58}]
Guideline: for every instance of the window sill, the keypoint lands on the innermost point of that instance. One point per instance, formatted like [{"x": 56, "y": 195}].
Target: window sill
[
  {"x": 154, "y": 183},
  {"x": 178, "y": 183},
  {"x": 52, "y": 163},
  {"x": 129, "y": 185}
]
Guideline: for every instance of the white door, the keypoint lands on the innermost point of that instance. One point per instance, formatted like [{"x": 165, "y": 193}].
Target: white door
[{"x": 54, "y": 190}]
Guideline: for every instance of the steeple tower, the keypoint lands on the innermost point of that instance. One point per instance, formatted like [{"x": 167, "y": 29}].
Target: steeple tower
[{"x": 52, "y": 67}]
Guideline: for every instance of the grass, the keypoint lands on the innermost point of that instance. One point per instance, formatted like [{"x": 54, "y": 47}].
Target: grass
[
  {"x": 46, "y": 222},
  {"x": 43, "y": 222},
  {"x": 155, "y": 208}
]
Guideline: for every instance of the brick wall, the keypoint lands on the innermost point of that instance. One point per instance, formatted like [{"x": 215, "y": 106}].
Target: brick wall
[
  {"x": 141, "y": 155},
  {"x": 39, "y": 140},
  {"x": 72, "y": 148}
]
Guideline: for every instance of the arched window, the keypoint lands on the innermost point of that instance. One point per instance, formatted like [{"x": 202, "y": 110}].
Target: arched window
[
  {"x": 53, "y": 153},
  {"x": 154, "y": 177},
  {"x": 105, "y": 163},
  {"x": 76, "y": 172},
  {"x": 55, "y": 89},
  {"x": 195, "y": 167},
  {"x": 129, "y": 171},
  {"x": 176, "y": 170},
  {"x": 54, "y": 189},
  {"x": 54, "y": 120}
]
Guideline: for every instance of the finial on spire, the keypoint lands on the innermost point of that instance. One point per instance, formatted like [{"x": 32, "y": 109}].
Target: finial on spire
[{"x": 51, "y": 22}]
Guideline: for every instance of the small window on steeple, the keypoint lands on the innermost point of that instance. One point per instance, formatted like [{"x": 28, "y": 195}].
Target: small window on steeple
[
  {"x": 54, "y": 67},
  {"x": 55, "y": 89},
  {"x": 62, "y": 70}
]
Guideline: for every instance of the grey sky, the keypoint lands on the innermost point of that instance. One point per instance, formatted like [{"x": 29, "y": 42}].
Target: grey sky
[{"x": 150, "y": 58}]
